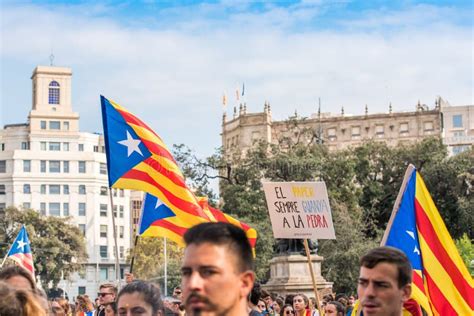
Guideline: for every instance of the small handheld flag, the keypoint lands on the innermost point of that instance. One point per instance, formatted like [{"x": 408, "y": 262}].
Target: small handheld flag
[{"x": 20, "y": 251}]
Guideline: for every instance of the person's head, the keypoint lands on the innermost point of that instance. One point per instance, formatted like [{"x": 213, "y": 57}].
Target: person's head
[
  {"x": 19, "y": 302},
  {"x": 18, "y": 278},
  {"x": 84, "y": 303},
  {"x": 178, "y": 293},
  {"x": 107, "y": 293},
  {"x": 266, "y": 296},
  {"x": 384, "y": 281},
  {"x": 57, "y": 309},
  {"x": 289, "y": 299},
  {"x": 278, "y": 305},
  {"x": 217, "y": 270},
  {"x": 255, "y": 294},
  {"x": 110, "y": 309},
  {"x": 288, "y": 310},
  {"x": 334, "y": 308},
  {"x": 300, "y": 302},
  {"x": 312, "y": 303},
  {"x": 351, "y": 300},
  {"x": 140, "y": 297},
  {"x": 64, "y": 304},
  {"x": 261, "y": 306}
]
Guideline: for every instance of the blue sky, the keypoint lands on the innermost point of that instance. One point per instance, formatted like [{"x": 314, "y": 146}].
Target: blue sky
[{"x": 170, "y": 62}]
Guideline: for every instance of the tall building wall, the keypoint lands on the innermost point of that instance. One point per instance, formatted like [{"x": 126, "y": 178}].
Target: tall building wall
[{"x": 48, "y": 165}]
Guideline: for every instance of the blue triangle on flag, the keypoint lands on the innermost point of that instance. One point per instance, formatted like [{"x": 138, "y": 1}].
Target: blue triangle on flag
[{"x": 153, "y": 210}]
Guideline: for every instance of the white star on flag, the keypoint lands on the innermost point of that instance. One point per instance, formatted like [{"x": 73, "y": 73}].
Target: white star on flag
[
  {"x": 21, "y": 244},
  {"x": 131, "y": 144},
  {"x": 158, "y": 203},
  {"x": 412, "y": 235}
]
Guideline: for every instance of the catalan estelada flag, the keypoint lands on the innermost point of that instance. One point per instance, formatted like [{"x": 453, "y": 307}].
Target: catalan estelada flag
[
  {"x": 442, "y": 284},
  {"x": 20, "y": 252},
  {"x": 138, "y": 159},
  {"x": 159, "y": 221}
]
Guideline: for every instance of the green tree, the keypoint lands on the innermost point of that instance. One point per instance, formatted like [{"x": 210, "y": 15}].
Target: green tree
[
  {"x": 58, "y": 246},
  {"x": 466, "y": 250}
]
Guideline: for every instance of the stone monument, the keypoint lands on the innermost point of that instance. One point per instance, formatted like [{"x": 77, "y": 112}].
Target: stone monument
[{"x": 289, "y": 270}]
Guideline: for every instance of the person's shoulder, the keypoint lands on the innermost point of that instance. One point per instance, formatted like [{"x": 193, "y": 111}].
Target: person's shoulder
[{"x": 254, "y": 313}]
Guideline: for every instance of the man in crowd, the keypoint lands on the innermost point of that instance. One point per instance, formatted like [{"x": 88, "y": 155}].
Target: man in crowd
[
  {"x": 217, "y": 271},
  {"x": 107, "y": 294},
  {"x": 384, "y": 282}
]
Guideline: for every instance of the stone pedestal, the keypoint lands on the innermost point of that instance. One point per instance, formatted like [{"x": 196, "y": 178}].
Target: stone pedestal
[{"x": 290, "y": 275}]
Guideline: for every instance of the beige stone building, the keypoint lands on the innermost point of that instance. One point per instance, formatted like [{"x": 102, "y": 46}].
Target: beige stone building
[
  {"x": 458, "y": 127},
  {"x": 337, "y": 131}
]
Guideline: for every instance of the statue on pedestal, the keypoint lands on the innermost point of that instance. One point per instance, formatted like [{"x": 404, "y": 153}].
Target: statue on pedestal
[{"x": 289, "y": 246}]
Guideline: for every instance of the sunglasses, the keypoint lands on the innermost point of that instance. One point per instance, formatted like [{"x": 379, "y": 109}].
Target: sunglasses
[
  {"x": 289, "y": 312},
  {"x": 177, "y": 292},
  {"x": 103, "y": 294}
]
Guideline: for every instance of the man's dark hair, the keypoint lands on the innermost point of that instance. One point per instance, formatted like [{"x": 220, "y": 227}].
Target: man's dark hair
[
  {"x": 389, "y": 255},
  {"x": 223, "y": 234},
  {"x": 150, "y": 292},
  {"x": 11, "y": 271},
  {"x": 255, "y": 294}
]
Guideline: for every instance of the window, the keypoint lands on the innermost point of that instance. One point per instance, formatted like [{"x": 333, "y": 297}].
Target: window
[
  {"x": 66, "y": 125},
  {"x": 82, "y": 209},
  {"x": 403, "y": 128},
  {"x": 54, "y": 189},
  {"x": 82, "y": 228},
  {"x": 54, "y": 166},
  {"x": 66, "y": 146},
  {"x": 379, "y": 129},
  {"x": 80, "y": 147},
  {"x": 26, "y": 188},
  {"x": 25, "y": 145},
  {"x": 96, "y": 149},
  {"x": 66, "y": 166},
  {"x": 43, "y": 145},
  {"x": 103, "y": 210},
  {"x": 3, "y": 146},
  {"x": 66, "y": 189},
  {"x": 55, "y": 209},
  {"x": 55, "y": 125},
  {"x": 43, "y": 208},
  {"x": 122, "y": 193},
  {"x": 103, "y": 190},
  {"x": 121, "y": 251},
  {"x": 115, "y": 210},
  {"x": 121, "y": 231},
  {"x": 2, "y": 189},
  {"x": 66, "y": 209},
  {"x": 355, "y": 131},
  {"x": 428, "y": 126},
  {"x": 43, "y": 124},
  {"x": 457, "y": 121},
  {"x": 121, "y": 211},
  {"x": 103, "y": 251},
  {"x": 103, "y": 168},
  {"x": 26, "y": 165},
  {"x": 82, "y": 189},
  {"x": 43, "y": 189},
  {"x": 26, "y": 205},
  {"x": 460, "y": 148},
  {"x": 3, "y": 166},
  {"x": 82, "y": 167},
  {"x": 103, "y": 231},
  {"x": 81, "y": 290},
  {"x": 54, "y": 146},
  {"x": 104, "y": 274},
  {"x": 53, "y": 92},
  {"x": 43, "y": 166}
]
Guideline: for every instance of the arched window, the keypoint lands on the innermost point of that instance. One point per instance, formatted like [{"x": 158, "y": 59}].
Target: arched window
[{"x": 53, "y": 92}]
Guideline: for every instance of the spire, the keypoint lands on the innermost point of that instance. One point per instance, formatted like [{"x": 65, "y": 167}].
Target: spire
[
  {"x": 342, "y": 110},
  {"x": 390, "y": 108},
  {"x": 235, "y": 111},
  {"x": 366, "y": 110}
]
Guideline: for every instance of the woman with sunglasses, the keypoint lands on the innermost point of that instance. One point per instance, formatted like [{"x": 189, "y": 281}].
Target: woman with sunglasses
[
  {"x": 301, "y": 305},
  {"x": 288, "y": 310}
]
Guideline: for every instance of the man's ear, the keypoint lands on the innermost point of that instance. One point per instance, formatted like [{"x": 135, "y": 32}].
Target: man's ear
[
  {"x": 406, "y": 292},
  {"x": 247, "y": 279}
]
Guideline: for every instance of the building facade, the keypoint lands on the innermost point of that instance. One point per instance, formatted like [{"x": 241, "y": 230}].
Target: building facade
[
  {"x": 340, "y": 131},
  {"x": 48, "y": 165}
]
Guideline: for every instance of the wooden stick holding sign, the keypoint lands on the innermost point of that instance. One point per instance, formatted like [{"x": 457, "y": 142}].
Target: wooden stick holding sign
[{"x": 313, "y": 278}]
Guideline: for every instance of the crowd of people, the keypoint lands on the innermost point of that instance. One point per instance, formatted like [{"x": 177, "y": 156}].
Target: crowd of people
[{"x": 218, "y": 279}]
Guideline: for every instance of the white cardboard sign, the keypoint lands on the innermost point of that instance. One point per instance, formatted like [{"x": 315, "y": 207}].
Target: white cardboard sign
[{"x": 299, "y": 210}]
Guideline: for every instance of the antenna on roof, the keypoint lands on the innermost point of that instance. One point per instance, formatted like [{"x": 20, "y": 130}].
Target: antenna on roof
[{"x": 51, "y": 59}]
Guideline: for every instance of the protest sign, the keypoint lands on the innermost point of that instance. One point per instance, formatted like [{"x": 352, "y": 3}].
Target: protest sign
[{"x": 299, "y": 210}]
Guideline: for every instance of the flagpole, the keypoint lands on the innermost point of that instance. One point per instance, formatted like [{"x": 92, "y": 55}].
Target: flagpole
[
  {"x": 134, "y": 252},
  {"x": 396, "y": 205},
  {"x": 166, "y": 267},
  {"x": 6, "y": 255},
  {"x": 313, "y": 278},
  {"x": 117, "y": 264}
]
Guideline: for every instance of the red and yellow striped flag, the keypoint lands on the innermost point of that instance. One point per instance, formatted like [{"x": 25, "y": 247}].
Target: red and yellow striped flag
[
  {"x": 442, "y": 284},
  {"x": 138, "y": 159}
]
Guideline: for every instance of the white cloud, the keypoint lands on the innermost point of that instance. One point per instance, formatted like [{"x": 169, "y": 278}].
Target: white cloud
[{"x": 173, "y": 75}]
